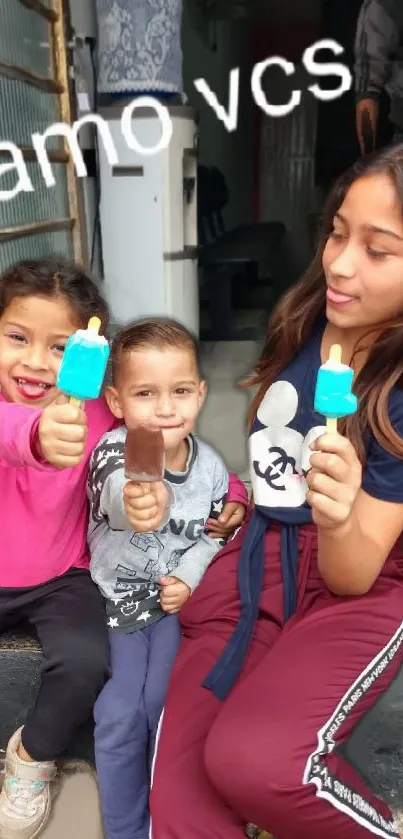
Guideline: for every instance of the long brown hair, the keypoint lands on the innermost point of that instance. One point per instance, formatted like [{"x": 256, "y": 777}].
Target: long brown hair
[{"x": 301, "y": 307}]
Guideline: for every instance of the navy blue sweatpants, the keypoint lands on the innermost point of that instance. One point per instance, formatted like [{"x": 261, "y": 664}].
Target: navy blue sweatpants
[{"x": 127, "y": 713}]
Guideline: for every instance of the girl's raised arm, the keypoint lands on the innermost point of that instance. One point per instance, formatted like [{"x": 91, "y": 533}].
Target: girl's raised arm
[{"x": 18, "y": 432}]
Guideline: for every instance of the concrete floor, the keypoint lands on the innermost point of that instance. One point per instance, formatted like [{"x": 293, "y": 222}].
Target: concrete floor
[{"x": 76, "y": 811}]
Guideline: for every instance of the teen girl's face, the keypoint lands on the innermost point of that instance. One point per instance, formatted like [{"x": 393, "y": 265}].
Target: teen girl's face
[
  {"x": 33, "y": 334},
  {"x": 363, "y": 257}
]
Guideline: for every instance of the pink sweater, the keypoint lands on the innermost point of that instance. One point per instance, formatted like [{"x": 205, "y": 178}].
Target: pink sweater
[{"x": 44, "y": 510}]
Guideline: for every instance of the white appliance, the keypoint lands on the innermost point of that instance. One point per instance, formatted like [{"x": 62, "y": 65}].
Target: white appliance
[{"x": 148, "y": 214}]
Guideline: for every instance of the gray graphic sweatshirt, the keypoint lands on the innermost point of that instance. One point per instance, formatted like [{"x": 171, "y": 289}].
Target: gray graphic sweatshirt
[
  {"x": 126, "y": 565},
  {"x": 379, "y": 54}
]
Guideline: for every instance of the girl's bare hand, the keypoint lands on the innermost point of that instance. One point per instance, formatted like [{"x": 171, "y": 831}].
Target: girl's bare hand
[{"x": 334, "y": 480}]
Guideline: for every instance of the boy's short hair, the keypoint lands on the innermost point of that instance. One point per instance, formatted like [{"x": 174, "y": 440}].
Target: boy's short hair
[{"x": 155, "y": 333}]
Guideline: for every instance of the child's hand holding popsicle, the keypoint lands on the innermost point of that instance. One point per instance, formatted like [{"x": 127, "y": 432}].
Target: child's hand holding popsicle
[
  {"x": 62, "y": 434},
  {"x": 334, "y": 480},
  {"x": 145, "y": 505},
  {"x": 145, "y": 495},
  {"x": 335, "y": 477}
]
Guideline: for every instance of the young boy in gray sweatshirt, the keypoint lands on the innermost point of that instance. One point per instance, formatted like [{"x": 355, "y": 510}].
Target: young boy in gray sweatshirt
[{"x": 145, "y": 568}]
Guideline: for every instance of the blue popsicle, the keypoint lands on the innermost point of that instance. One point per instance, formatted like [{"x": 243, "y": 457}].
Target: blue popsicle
[
  {"x": 333, "y": 396},
  {"x": 84, "y": 362}
]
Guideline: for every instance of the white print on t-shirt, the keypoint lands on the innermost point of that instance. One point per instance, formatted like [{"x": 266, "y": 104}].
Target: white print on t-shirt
[{"x": 280, "y": 456}]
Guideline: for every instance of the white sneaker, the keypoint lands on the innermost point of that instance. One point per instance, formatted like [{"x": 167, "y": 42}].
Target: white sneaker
[{"x": 25, "y": 798}]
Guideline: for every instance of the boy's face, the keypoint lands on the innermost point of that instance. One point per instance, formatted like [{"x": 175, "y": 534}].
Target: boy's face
[{"x": 159, "y": 388}]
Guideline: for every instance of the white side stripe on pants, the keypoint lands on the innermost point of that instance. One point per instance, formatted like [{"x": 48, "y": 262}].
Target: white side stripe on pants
[
  {"x": 316, "y": 771},
  {"x": 157, "y": 739}
]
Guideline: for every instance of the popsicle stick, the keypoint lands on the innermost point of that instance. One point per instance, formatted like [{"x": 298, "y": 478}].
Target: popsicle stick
[
  {"x": 94, "y": 324},
  {"x": 335, "y": 353},
  {"x": 331, "y": 425},
  {"x": 74, "y": 401}
]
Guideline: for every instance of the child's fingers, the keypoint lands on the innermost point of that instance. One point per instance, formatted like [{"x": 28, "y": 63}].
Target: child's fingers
[
  {"x": 139, "y": 502},
  {"x": 213, "y": 526},
  {"x": 169, "y": 594},
  {"x": 236, "y": 518},
  {"x": 141, "y": 510},
  {"x": 170, "y": 610},
  {"x": 68, "y": 434},
  {"x": 170, "y": 601},
  {"x": 228, "y": 510},
  {"x": 174, "y": 594},
  {"x": 143, "y": 517},
  {"x": 60, "y": 398},
  {"x": 65, "y": 413},
  {"x": 217, "y": 533},
  {"x": 137, "y": 490}
]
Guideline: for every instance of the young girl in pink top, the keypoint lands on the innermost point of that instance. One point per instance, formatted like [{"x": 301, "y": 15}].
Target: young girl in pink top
[{"x": 45, "y": 447}]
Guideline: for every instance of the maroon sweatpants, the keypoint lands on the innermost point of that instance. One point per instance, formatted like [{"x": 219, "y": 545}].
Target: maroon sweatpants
[{"x": 267, "y": 754}]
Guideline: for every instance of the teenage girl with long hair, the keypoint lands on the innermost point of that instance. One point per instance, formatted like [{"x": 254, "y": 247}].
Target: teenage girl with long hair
[{"x": 297, "y": 627}]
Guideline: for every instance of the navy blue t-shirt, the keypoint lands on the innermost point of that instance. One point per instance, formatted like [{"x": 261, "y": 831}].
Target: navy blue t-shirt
[
  {"x": 285, "y": 426},
  {"x": 279, "y": 453}
]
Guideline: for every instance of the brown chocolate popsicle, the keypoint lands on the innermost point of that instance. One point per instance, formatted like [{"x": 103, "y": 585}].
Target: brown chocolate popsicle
[{"x": 144, "y": 454}]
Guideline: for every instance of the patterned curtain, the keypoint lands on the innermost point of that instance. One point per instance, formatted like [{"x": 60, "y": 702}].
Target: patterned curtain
[{"x": 139, "y": 46}]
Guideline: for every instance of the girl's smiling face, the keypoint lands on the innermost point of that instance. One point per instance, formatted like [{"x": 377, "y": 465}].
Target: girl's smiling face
[
  {"x": 33, "y": 334},
  {"x": 363, "y": 257}
]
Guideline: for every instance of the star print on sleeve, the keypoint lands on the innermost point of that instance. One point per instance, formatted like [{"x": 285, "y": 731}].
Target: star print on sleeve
[
  {"x": 113, "y": 623},
  {"x": 107, "y": 458},
  {"x": 217, "y": 507}
]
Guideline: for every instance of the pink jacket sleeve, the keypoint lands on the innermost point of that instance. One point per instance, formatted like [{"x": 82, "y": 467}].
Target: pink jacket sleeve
[
  {"x": 237, "y": 490},
  {"x": 18, "y": 428}
]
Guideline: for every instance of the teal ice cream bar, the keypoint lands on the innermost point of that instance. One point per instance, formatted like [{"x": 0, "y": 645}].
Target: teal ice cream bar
[
  {"x": 84, "y": 363},
  {"x": 333, "y": 396}
]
